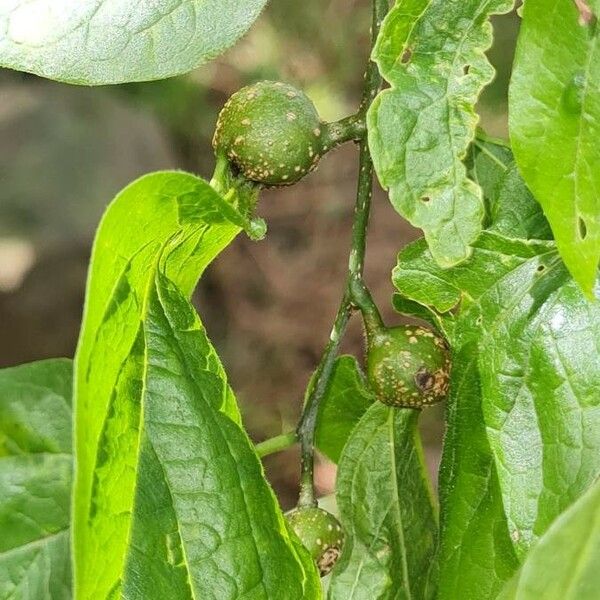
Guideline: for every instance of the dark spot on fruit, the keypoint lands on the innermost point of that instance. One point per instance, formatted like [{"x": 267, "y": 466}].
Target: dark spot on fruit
[
  {"x": 328, "y": 560},
  {"x": 424, "y": 379}
]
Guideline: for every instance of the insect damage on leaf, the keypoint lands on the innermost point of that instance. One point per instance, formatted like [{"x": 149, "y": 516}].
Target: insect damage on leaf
[
  {"x": 432, "y": 54},
  {"x": 553, "y": 105}
]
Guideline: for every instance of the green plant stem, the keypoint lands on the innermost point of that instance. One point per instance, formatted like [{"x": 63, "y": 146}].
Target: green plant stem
[
  {"x": 364, "y": 302},
  {"x": 352, "y": 128},
  {"x": 307, "y": 424},
  {"x": 276, "y": 444}
]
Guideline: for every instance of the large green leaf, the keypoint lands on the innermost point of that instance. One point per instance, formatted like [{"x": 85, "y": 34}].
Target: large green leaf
[
  {"x": 555, "y": 126},
  {"x": 475, "y": 555},
  {"x": 386, "y": 508},
  {"x": 432, "y": 54},
  {"x": 35, "y": 481},
  {"x": 565, "y": 563},
  {"x": 168, "y": 491},
  {"x": 346, "y": 400},
  {"x": 533, "y": 342},
  {"x": 94, "y": 42},
  {"x": 200, "y": 473}
]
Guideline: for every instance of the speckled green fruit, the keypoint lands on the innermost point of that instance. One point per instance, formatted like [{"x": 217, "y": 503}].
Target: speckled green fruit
[
  {"x": 271, "y": 132},
  {"x": 320, "y": 533},
  {"x": 408, "y": 366}
]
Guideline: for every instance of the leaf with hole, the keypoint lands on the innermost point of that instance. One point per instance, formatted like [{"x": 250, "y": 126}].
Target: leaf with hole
[
  {"x": 554, "y": 112},
  {"x": 432, "y": 54},
  {"x": 532, "y": 340}
]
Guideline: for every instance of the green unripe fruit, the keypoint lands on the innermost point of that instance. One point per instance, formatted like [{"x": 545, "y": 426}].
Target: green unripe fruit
[
  {"x": 320, "y": 533},
  {"x": 408, "y": 366},
  {"x": 271, "y": 132}
]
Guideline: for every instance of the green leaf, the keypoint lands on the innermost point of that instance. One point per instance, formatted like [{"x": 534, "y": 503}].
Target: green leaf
[
  {"x": 346, "y": 400},
  {"x": 220, "y": 520},
  {"x": 565, "y": 563},
  {"x": 536, "y": 341},
  {"x": 385, "y": 503},
  {"x": 432, "y": 54},
  {"x": 555, "y": 126},
  {"x": 486, "y": 163},
  {"x": 475, "y": 555},
  {"x": 35, "y": 481},
  {"x": 94, "y": 43},
  {"x": 160, "y": 452},
  {"x": 512, "y": 209}
]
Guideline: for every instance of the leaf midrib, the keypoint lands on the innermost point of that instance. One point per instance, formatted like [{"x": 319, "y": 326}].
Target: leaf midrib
[{"x": 392, "y": 449}]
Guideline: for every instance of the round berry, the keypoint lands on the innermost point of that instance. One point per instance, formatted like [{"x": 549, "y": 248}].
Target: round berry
[
  {"x": 271, "y": 132},
  {"x": 408, "y": 366},
  {"x": 320, "y": 533}
]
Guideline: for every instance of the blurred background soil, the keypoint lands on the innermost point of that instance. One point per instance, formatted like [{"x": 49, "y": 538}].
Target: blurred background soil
[{"x": 268, "y": 306}]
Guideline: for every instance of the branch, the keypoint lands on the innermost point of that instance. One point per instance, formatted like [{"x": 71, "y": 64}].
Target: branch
[
  {"x": 307, "y": 424},
  {"x": 276, "y": 444}
]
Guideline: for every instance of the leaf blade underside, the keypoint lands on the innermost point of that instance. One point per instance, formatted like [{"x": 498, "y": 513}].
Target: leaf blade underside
[{"x": 96, "y": 43}]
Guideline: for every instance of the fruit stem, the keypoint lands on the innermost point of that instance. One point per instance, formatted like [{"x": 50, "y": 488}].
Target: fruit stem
[
  {"x": 364, "y": 302},
  {"x": 220, "y": 179},
  {"x": 348, "y": 129},
  {"x": 308, "y": 420},
  {"x": 276, "y": 444}
]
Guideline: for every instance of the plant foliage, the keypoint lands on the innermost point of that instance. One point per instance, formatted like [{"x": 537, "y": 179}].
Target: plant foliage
[
  {"x": 93, "y": 42},
  {"x": 162, "y": 494}
]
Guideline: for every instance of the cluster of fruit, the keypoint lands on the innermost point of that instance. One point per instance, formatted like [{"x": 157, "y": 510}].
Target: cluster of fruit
[{"x": 271, "y": 135}]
